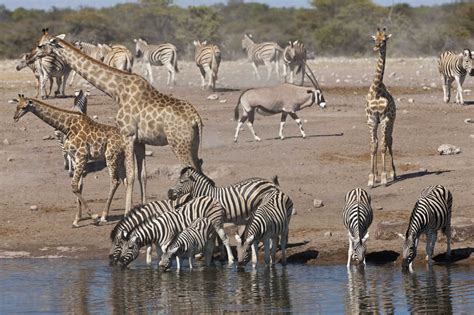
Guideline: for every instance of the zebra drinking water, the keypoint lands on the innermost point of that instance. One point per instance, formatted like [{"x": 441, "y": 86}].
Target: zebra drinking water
[
  {"x": 432, "y": 212},
  {"x": 266, "y": 224},
  {"x": 196, "y": 238},
  {"x": 454, "y": 67},
  {"x": 357, "y": 216},
  {"x": 266, "y": 53},
  {"x": 158, "y": 55}
]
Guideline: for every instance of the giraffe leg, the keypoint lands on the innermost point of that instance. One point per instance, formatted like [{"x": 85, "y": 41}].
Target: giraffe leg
[
  {"x": 299, "y": 123},
  {"x": 239, "y": 125},
  {"x": 282, "y": 124},
  {"x": 389, "y": 140},
  {"x": 130, "y": 171},
  {"x": 113, "y": 167},
  {"x": 373, "y": 124},
  {"x": 256, "y": 71},
  {"x": 141, "y": 166},
  {"x": 77, "y": 189},
  {"x": 37, "y": 86},
  {"x": 383, "y": 149}
]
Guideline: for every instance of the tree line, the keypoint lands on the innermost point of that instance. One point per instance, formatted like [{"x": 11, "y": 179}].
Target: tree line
[{"x": 328, "y": 27}]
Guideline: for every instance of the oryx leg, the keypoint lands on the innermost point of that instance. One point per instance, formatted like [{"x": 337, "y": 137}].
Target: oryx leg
[
  {"x": 299, "y": 123},
  {"x": 239, "y": 124},
  {"x": 256, "y": 71},
  {"x": 282, "y": 123},
  {"x": 251, "y": 115}
]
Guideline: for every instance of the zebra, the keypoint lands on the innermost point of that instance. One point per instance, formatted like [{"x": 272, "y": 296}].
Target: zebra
[
  {"x": 34, "y": 66},
  {"x": 163, "y": 229},
  {"x": 196, "y": 238},
  {"x": 89, "y": 49},
  {"x": 262, "y": 53},
  {"x": 208, "y": 59},
  {"x": 294, "y": 58},
  {"x": 452, "y": 67},
  {"x": 80, "y": 105},
  {"x": 267, "y": 223},
  {"x": 357, "y": 216},
  {"x": 158, "y": 55},
  {"x": 48, "y": 67},
  {"x": 134, "y": 218},
  {"x": 432, "y": 212},
  {"x": 117, "y": 56},
  {"x": 238, "y": 200}
]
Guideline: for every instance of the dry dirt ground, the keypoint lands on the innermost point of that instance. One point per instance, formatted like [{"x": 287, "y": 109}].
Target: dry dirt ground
[{"x": 333, "y": 159}]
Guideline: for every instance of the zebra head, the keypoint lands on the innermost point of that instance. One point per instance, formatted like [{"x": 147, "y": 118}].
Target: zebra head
[
  {"x": 359, "y": 248},
  {"x": 167, "y": 257},
  {"x": 118, "y": 240},
  {"x": 247, "y": 40},
  {"x": 380, "y": 39},
  {"x": 243, "y": 250},
  {"x": 186, "y": 183},
  {"x": 409, "y": 250},
  {"x": 467, "y": 61},
  {"x": 46, "y": 45},
  {"x": 140, "y": 44},
  {"x": 22, "y": 63},
  {"x": 130, "y": 248},
  {"x": 24, "y": 105}
]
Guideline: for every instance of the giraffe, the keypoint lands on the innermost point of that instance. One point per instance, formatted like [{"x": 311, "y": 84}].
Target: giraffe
[
  {"x": 380, "y": 109},
  {"x": 85, "y": 139},
  {"x": 145, "y": 116}
]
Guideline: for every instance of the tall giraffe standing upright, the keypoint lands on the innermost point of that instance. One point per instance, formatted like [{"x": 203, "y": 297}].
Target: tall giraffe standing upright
[
  {"x": 380, "y": 109},
  {"x": 145, "y": 115}
]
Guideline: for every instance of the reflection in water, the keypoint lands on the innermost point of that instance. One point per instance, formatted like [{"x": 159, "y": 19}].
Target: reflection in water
[
  {"x": 91, "y": 287},
  {"x": 428, "y": 292}
]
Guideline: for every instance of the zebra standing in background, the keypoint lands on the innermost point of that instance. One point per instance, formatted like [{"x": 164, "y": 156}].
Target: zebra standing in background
[
  {"x": 117, "y": 56},
  {"x": 89, "y": 49},
  {"x": 137, "y": 216},
  {"x": 266, "y": 224},
  {"x": 163, "y": 229},
  {"x": 294, "y": 57},
  {"x": 431, "y": 213},
  {"x": 262, "y": 53},
  {"x": 357, "y": 216},
  {"x": 34, "y": 66},
  {"x": 452, "y": 67},
  {"x": 196, "y": 238},
  {"x": 239, "y": 200},
  {"x": 158, "y": 55},
  {"x": 80, "y": 105},
  {"x": 208, "y": 59}
]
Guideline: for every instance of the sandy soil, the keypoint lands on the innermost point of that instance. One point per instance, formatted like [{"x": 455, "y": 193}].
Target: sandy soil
[{"x": 333, "y": 159}]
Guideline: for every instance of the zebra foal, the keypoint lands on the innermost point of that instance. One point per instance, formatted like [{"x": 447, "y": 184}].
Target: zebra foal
[
  {"x": 357, "y": 216},
  {"x": 266, "y": 224},
  {"x": 208, "y": 59},
  {"x": 454, "y": 67},
  {"x": 266, "y": 53},
  {"x": 432, "y": 212},
  {"x": 158, "y": 55},
  {"x": 196, "y": 238},
  {"x": 294, "y": 58}
]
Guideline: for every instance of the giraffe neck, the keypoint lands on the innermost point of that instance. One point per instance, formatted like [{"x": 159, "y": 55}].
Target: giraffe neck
[
  {"x": 95, "y": 72},
  {"x": 379, "y": 71},
  {"x": 55, "y": 117}
]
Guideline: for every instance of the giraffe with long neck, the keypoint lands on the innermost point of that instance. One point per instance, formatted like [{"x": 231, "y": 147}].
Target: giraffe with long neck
[
  {"x": 85, "y": 139},
  {"x": 380, "y": 109},
  {"x": 145, "y": 115}
]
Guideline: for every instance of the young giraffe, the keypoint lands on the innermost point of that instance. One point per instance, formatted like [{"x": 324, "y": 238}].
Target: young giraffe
[
  {"x": 86, "y": 139},
  {"x": 145, "y": 115},
  {"x": 380, "y": 109}
]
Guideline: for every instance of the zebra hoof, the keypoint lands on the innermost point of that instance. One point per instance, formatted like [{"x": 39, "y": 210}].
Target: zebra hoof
[{"x": 258, "y": 139}]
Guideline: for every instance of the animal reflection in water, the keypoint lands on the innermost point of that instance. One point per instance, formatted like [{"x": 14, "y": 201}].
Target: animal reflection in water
[
  {"x": 429, "y": 292},
  {"x": 369, "y": 295}
]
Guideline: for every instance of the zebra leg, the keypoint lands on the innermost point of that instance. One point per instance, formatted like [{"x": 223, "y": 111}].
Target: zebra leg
[
  {"x": 303, "y": 70},
  {"x": 225, "y": 241},
  {"x": 251, "y": 116},
  {"x": 149, "y": 251},
  {"x": 254, "y": 254},
  {"x": 203, "y": 77},
  {"x": 274, "y": 249},
  {"x": 277, "y": 67},
  {"x": 59, "y": 82},
  {"x": 447, "y": 232},
  {"x": 459, "y": 82},
  {"x": 268, "y": 65},
  {"x": 299, "y": 123},
  {"x": 239, "y": 125},
  {"x": 349, "y": 253},
  {"x": 429, "y": 246},
  {"x": 209, "y": 250},
  {"x": 256, "y": 71},
  {"x": 150, "y": 74},
  {"x": 139, "y": 150},
  {"x": 373, "y": 124},
  {"x": 73, "y": 76},
  {"x": 283, "y": 241},
  {"x": 266, "y": 249},
  {"x": 446, "y": 88},
  {"x": 171, "y": 73},
  {"x": 178, "y": 262},
  {"x": 282, "y": 123},
  {"x": 63, "y": 86}
]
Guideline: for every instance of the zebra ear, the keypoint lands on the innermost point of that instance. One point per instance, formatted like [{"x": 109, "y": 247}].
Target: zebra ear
[{"x": 401, "y": 236}]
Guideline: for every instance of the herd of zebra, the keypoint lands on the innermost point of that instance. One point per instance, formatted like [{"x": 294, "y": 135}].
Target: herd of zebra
[{"x": 192, "y": 219}]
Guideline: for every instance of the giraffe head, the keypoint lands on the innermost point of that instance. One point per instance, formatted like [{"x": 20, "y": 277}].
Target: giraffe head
[
  {"x": 47, "y": 44},
  {"x": 380, "y": 39},
  {"x": 24, "y": 105}
]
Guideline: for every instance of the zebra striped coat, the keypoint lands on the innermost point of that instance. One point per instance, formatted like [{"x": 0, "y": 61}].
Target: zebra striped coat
[
  {"x": 89, "y": 49},
  {"x": 137, "y": 216},
  {"x": 432, "y": 212},
  {"x": 454, "y": 67},
  {"x": 163, "y": 229},
  {"x": 239, "y": 200},
  {"x": 34, "y": 66},
  {"x": 196, "y": 238},
  {"x": 117, "y": 56},
  {"x": 208, "y": 59},
  {"x": 357, "y": 216},
  {"x": 294, "y": 57},
  {"x": 266, "y": 53},
  {"x": 158, "y": 55},
  {"x": 267, "y": 223}
]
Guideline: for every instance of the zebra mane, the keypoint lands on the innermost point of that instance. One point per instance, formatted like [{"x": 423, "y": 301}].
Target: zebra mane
[
  {"x": 119, "y": 225},
  {"x": 187, "y": 168}
]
